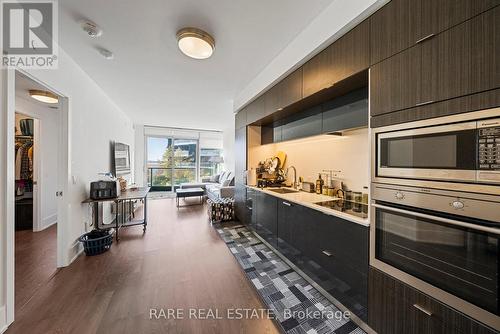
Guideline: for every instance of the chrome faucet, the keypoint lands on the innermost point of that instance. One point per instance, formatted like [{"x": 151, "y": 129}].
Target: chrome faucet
[{"x": 294, "y": 185}]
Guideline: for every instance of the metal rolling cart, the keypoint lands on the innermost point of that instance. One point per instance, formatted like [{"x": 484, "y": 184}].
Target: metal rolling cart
[{"x": 124, "y": 209}]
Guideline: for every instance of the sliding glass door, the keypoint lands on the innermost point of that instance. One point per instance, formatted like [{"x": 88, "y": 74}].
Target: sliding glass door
[
  {"x": 185, "y": 161},
  {"x": 170, "y": 162}
]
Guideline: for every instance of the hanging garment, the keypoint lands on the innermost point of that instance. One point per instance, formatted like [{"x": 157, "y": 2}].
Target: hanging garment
[
  {"x": 18, "y": 162},
  {"x": 30, "y": 157},
  {"x": 25, "y": 162}
]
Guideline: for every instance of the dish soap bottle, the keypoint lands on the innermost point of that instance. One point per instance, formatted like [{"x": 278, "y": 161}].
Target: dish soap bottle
[{"x": 319, "y": 184}]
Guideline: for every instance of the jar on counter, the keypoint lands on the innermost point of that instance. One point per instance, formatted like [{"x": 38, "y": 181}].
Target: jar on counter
[{"x": 357, "y": 196}]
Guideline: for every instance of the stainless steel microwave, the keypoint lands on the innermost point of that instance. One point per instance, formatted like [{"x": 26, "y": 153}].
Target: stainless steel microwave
[{"x": 462, "y": 148}]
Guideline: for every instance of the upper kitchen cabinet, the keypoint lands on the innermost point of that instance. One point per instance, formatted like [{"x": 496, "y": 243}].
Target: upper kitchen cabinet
[
  {"x": 403, "y": 23},
  {"x": 393, "y": 28},
  {"x": 395, "y": 83},
  {"x": 460, "y": 61},
  {"x": 285, "y": 92},
  {"x": 240, "y": 119},
  {"x": 256, "y": 110},
  {"x": 348, "y": 55}
]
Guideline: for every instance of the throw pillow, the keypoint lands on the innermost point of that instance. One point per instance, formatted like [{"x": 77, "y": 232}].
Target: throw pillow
[
  {"x": 215, "y": 178},
  {"x": 226, "y": 183}
]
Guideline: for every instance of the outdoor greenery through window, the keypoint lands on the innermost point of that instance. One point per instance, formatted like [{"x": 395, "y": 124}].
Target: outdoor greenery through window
[
  {"x": 210, "y": 161},
  {"x": 171, "y": 161}
]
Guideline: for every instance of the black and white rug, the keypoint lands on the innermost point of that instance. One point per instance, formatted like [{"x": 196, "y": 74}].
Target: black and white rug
[{"x": 297, "y": 306}]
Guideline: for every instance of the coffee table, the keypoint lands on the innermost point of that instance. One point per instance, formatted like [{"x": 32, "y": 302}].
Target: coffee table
[{"x": 189, "y": 192}]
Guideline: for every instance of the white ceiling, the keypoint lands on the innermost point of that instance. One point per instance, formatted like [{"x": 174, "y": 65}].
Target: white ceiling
[{"x": 157, "y": 85}]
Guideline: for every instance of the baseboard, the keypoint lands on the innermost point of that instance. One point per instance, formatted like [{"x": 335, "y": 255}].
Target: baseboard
[
  {"x": 3, "y": 320},
  {"x": 73, "y": 252},
  {"x": 48, "y": 222}
]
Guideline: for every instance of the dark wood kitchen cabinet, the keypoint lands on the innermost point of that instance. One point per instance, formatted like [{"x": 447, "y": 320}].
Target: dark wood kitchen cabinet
[
  {"x": 462, "y": 60},
  {"x": 458, "y": 62},
  {"x": 348, "y": 55},
  {"x": 240, "y": 119},
  {"x": 240, "y": 165},
  {"x": 394, "y": 308},
  {"x": 395, "y": 83},
  {"x": 256, "y": 110},
  {"x": 401, "y": 24},
  {"x": 267, "y": 217}
]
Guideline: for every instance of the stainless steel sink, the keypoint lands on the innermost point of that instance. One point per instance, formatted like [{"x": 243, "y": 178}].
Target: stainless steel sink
[{"x": 282, "y": 190}]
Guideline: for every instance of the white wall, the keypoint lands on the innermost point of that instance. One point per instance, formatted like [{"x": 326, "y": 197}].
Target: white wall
[
  {"x": 49, "y": 151},
  {"x": 310, "y": 156},
  {"x": 94, "y": 121}
]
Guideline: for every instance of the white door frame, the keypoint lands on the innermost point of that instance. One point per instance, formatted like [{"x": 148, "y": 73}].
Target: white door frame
[{"x": 8, "y": 91}]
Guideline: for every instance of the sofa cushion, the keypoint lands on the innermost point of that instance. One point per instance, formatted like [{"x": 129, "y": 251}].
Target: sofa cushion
[
  {"x": 223, "y": 177},
  {"x": 215, "y": 178}
]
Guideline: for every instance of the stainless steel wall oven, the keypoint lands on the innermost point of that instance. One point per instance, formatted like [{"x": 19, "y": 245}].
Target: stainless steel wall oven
[{"x": 441, "y": 242}]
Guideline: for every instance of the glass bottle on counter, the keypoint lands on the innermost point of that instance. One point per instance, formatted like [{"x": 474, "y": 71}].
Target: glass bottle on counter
[{"x": 319, "y": 184}]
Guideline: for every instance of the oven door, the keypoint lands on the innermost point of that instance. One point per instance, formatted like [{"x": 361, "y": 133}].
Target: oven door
[
  {"x": 459, "y": 256},
  {"x": 446, "y": 152}
]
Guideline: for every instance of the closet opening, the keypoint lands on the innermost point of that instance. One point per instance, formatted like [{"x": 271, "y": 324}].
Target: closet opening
[{"x": 37, "y": 146}]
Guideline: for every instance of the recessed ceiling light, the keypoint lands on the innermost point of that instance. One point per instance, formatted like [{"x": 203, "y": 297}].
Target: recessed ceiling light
[
  {"x": 44, "y": 96},
  {"x": 195, "y": 43}
]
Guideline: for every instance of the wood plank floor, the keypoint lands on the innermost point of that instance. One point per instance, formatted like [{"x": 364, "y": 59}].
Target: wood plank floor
[
  {"x": 179, "y": 263},
  {"x": 36, "y": 262}
]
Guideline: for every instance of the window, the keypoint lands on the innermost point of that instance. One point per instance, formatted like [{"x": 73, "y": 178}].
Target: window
[
  {"x": 210, "y": 161},
  {"x": 176, "y": 156}
]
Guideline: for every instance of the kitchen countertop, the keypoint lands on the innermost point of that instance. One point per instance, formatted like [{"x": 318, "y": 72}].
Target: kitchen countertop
[{"x": 308, "y": 199}]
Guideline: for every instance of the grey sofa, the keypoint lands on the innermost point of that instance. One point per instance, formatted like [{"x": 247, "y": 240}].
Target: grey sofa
[{"x": 218, "y": 186}]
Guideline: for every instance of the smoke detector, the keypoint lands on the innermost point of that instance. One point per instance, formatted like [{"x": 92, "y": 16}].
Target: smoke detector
[{"x": 92, "y": 29}]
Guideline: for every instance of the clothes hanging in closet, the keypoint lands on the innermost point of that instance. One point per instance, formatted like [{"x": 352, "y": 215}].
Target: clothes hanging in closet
[{"x": 24, "y": 162}]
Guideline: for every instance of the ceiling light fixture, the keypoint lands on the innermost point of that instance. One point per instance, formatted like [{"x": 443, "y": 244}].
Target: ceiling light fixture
[
  {"x": 44, "y": 96},
  {"x": 195, "y": 43}
]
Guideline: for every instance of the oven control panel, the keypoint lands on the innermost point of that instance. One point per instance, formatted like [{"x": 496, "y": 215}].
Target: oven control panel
[{"x": 489, "y": 145}]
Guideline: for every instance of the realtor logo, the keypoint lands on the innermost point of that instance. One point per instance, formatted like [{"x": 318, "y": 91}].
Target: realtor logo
[{"x": 29, "y": 33}]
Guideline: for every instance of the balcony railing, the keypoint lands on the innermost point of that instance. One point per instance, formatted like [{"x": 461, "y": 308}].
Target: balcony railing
[{"x": 164, "y": 178}]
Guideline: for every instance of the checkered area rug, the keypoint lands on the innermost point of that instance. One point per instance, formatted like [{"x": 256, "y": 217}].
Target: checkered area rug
[{"x": 297, "y": 306}]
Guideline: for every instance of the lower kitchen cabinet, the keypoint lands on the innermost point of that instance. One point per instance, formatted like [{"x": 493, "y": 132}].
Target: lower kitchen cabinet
[
  {"x": 394, "y": 307},
  {"x": 331, "y": 251},
  {"x": 251, "y": 208},
  {"x": 267, "y": 220}
]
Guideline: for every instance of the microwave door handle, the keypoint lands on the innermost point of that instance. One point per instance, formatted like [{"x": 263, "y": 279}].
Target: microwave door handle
[{"x": 440, "y": 219}]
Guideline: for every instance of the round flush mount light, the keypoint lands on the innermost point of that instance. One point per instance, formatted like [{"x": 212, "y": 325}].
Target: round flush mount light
[
  {"x": 195, "y": 43},
  {"x": 44, "y": 96}
]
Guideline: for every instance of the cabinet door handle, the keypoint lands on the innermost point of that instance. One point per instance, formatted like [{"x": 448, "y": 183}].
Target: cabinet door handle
[
  {"x": 422, "y": 309},
  {"x": 287, "y": 204},
  {"x": 424, "y": 38},
  {"x": 327, "y": 253},
  {"x": 423, "y": 103}
]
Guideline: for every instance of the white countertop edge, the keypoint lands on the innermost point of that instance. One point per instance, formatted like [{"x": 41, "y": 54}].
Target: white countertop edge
[{"x": 331, "y": 212}]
